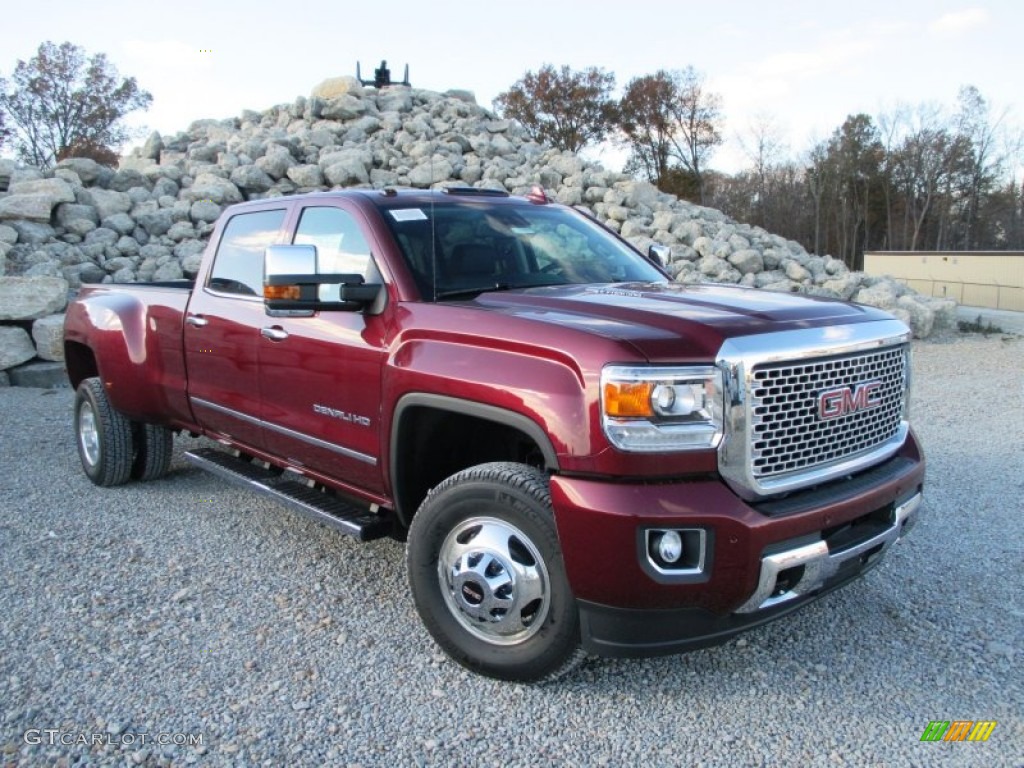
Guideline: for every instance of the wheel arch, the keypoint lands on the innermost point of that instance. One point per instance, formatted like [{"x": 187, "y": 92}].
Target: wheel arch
[
  {"x": 411, "y": 478},
  {"x": 80, "y": 362}
]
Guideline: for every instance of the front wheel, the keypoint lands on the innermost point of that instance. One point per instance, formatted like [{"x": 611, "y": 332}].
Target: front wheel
[{"x": 487, "y": 575}]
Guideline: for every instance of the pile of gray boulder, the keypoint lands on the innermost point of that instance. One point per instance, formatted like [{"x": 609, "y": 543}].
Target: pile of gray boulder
[
  {"x": 32, "y": 330},
  {"x": 150, "y": 219}
]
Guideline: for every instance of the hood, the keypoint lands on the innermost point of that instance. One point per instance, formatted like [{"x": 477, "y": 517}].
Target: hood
[{"x": 664, "y": 320}]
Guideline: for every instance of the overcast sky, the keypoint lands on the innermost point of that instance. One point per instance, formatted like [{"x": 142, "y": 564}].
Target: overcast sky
[{"x": 807, "y": 63}]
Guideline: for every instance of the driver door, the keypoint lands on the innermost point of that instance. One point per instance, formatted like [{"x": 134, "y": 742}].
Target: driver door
[{"x": 320, "y": 376}]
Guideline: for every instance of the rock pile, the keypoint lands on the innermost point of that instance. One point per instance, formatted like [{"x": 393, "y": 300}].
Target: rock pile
[
  {"x": 32, "y": 326},
  {"x": 149, "y": 219}
]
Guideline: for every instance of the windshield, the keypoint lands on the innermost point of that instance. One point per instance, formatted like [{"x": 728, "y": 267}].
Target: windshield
[{"x": 478, "y": 247}]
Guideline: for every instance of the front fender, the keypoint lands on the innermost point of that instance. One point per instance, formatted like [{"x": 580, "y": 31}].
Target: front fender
[{"x": 547, "y": 393}]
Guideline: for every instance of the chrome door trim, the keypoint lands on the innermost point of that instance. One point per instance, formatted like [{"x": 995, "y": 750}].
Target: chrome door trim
[{"x": 339, "y": 449}]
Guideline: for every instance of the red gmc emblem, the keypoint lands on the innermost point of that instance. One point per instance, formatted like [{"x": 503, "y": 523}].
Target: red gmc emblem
[{"x": 840, "y": 402}]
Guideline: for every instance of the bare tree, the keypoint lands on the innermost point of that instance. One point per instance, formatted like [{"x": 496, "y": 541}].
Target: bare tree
[
  {"x": 764, "y": 146},
  {"x": 5, "y": 132},
  {"x": 922, "y": 177},
  {"x": 697, "y": 113},
  {"x": 973, "y": 122},
  {"x": 60, "y": 98},
  {"x": 564, "y": 108}
]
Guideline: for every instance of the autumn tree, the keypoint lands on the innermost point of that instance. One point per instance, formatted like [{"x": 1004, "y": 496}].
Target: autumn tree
[
  {"x": 672, "y": 124},
  {"x": 644, "y": 118},
  {"x": 61, "y": 99},
  {"x": 565, "y": 108}
]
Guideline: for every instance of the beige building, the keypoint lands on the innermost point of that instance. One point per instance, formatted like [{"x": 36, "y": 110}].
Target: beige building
[{"x": 993, "y": 279}]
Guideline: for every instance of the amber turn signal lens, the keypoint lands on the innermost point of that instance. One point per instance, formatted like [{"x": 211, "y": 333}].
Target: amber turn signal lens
[
  {"x": 290, "y": 292},
  {"x": 628, "y": 399}
]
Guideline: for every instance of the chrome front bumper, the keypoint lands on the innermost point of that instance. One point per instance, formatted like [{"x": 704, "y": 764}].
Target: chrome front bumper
[{"x": 820, "y": 564}]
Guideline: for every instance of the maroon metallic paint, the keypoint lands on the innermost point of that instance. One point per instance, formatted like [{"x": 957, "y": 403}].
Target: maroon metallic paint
[
  {"x": 537, "y": 353},
  {"x": 598, "y": 522}
]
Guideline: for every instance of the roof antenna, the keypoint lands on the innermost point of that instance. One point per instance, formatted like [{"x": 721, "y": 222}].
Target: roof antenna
[{"x": 433, "y": 230}]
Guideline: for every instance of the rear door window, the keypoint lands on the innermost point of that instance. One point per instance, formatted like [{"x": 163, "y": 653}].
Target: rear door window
[{"x": 238, "y": 264}]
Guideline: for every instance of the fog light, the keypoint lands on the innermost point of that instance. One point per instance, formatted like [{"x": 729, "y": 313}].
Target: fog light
[{"x": 670, "y": 546}]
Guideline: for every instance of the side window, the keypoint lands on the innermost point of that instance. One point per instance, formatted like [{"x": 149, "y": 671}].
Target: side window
[
  {"x": 238, "y": 265},
  {"x": 340, "y": 245}
]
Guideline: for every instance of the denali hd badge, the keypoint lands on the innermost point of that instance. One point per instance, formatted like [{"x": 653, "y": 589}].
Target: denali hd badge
[{"x": 842, "y": 401}]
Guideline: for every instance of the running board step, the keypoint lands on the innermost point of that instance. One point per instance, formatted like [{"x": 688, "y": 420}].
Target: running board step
[{"x": 323, "y": 508}]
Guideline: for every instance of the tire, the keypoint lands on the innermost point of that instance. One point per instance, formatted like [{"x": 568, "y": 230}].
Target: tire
[
  {"x": 153, "y": 447},
  {"x": 487, "y": 575},
  {"x": 103, "y": 436}
]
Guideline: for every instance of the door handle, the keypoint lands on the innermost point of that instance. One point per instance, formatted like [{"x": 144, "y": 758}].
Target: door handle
[
  {"x": 197, "y": 320},
  {"x": 274, "y": 333}
]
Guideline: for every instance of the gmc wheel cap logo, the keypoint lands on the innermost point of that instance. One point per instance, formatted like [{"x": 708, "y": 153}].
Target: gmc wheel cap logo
[{"x": 846, "y": 400}]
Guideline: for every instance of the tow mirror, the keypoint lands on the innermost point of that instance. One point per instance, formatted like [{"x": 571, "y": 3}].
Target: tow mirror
[
  {"x": 291, "y": 283},
  {"x": 659, "y": 254}
]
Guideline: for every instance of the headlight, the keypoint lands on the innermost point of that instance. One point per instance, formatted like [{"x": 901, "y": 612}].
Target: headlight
[{"x": 651, "y": 409}]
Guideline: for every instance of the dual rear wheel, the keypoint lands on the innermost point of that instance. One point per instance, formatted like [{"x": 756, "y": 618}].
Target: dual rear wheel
[
  {"x": 484, "y": 562},
  {"x": 113, "y": 448}
]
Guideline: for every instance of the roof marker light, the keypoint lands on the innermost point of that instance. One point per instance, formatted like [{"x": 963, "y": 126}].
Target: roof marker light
[{"x": 538, "y": 195}]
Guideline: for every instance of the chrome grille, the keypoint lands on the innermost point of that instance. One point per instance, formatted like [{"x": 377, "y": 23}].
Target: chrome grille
[{"x": 786, "y": 432}]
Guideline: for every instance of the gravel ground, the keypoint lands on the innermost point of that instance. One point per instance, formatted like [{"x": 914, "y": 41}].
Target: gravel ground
[{"x": 185, "y": 606}]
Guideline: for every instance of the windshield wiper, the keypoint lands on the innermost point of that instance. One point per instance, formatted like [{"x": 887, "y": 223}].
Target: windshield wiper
[
  {"x": 474, "y": 292},
  {"x": 470, "y": 292}
]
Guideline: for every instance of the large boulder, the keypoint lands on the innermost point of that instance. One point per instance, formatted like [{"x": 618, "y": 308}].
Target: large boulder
[
  {"x": 108, "y": 202},
  {"x": 7, "y": 168},
  {"x": 882, "y": 294},
  {"x": 58, "y": 190},
  {"x": 26, "y": 207},
  {"x": 747, "y": 261},
  {"x": 87, "y": 169},
  {"x": 346, "y": 167},
  {"x": 33, "y": 232},
  {"x": 344, "y": 107},
  {"x": 438, "y": 170},
  {"x": 155, "y": 222},
  {"x": 207, "y": 186},
  {"x": 922, "y": 317},
  {"x": 48, "y": 334},
  {"x": 334, "y": 87},
  {"x": 29, "y": 298},
  {"x": 251, "y": 178},
  {"x": 306, "y": 175},
  {"x": 153, "y": 147},
  {"x": 204, "y": 211},
  {"x": 72, "y": 212},
  {"x": 34, "y": 199},
  {"x": 16, "y": 347},
  {"x": 276, "y": 161}
]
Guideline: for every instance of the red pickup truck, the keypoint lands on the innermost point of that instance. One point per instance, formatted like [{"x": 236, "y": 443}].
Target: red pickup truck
[{"x": 582, "y": 455}]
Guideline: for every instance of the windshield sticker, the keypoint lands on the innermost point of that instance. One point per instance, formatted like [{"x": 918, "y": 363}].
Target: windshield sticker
[
  {"x": 523, "y": 230},
  {"x": 408, "y": 214}
]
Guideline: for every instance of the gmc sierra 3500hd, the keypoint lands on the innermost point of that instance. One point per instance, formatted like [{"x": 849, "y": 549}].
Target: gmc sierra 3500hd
[{"x": 582, "y": 455}]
